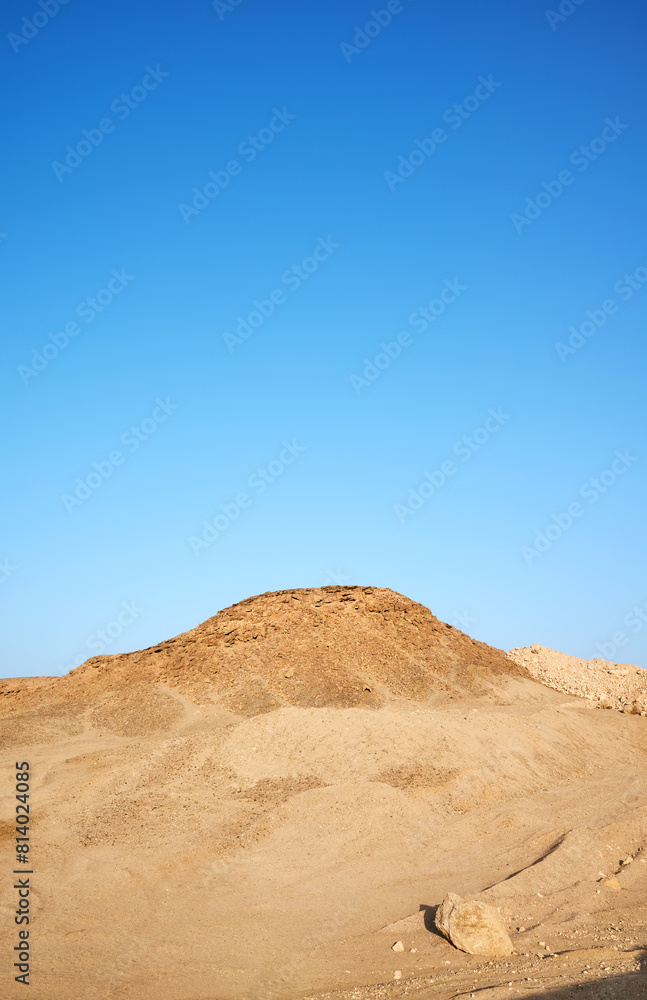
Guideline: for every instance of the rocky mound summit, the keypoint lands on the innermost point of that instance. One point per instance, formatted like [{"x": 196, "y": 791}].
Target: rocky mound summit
[
  {"x": 339, "y": 647},
  {"x": 331, "y": 646}
]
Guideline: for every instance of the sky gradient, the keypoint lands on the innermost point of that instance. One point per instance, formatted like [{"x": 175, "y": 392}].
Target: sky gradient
[{"x": 298, "y": 294}]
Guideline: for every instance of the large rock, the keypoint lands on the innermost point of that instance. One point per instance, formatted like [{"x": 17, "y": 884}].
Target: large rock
[
  {"x": 473, "y": 927},
  {"x": 443, "y": 912}
]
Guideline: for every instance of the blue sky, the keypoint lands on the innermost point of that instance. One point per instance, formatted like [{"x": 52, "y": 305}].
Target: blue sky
[{"x": 404, "y": 212}]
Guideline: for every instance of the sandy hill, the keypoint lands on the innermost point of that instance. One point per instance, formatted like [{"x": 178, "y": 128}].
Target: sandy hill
[{"x": 261, "y": 807}]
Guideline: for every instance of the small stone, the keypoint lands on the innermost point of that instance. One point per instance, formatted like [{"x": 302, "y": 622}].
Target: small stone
[
  {"x": 627, "y": 861},
  {"x": 397, "y": 974},
  {"x": 289, "y": 672},
  {"x": 611, "y": 883},
  {"x": 413, "y": 950},
  {"x": 398, "y": 946}
]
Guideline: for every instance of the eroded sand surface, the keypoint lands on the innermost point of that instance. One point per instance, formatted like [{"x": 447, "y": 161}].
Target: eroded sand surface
[{"x": 261, "y": 809}]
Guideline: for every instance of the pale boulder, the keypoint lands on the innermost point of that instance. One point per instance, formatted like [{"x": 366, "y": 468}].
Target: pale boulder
[
  {"x": 473, "y": 927},
  {"x": 443, "y": 912}
]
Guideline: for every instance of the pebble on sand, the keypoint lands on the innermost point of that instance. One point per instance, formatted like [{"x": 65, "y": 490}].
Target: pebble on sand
[{"x": 611, "y": 883}]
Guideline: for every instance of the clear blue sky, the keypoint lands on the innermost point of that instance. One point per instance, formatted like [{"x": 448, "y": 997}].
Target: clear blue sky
[{"x": 173, "y": 171}]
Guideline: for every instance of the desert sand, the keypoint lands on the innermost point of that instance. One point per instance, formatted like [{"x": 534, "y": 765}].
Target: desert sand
[{"x": 264, "y": 806}]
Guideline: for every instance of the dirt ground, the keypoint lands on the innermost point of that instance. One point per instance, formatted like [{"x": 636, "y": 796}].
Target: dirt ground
[{"x": 264, "y": 816}]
